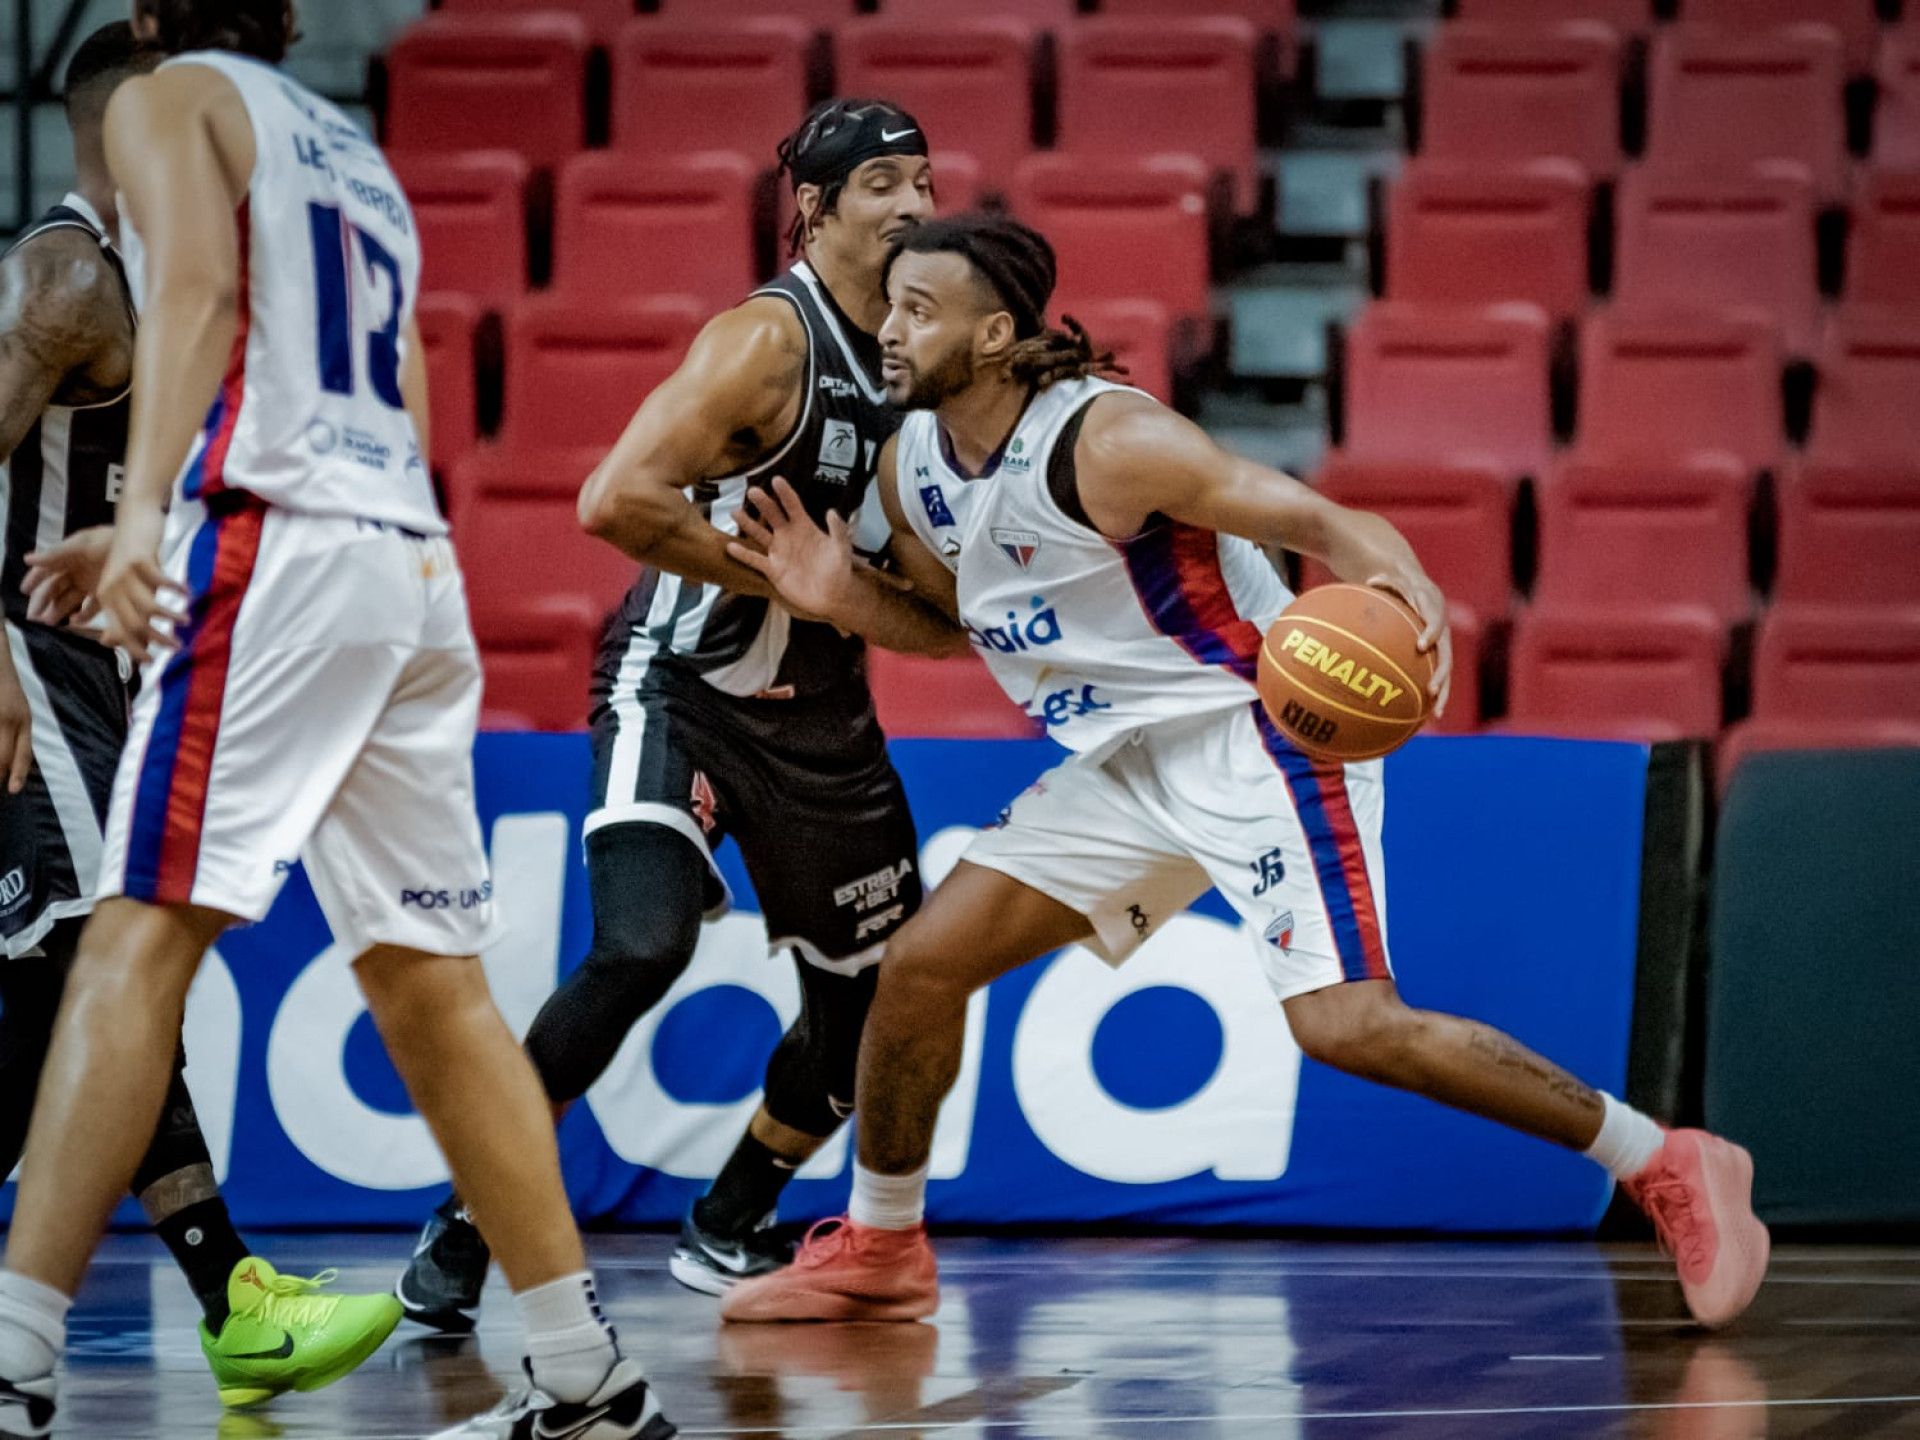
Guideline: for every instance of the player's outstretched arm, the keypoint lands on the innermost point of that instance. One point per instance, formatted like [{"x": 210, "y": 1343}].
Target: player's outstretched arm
[
  {"x": 816, "y": 572},
  {"x": 735, "y": 397},
  {"x": 181, "y": 149},
  {"x": 1136, "y": 459}
]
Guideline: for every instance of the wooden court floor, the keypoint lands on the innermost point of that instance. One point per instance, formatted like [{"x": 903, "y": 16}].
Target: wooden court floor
[{"x": 1188, "y": 1339}]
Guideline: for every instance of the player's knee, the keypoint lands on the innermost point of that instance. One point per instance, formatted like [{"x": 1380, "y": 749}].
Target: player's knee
[{"x": 1362, "y": 1029}]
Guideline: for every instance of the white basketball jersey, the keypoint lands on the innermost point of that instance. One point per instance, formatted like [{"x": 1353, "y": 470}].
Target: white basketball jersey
[
  {"x": 309, "y": 416},
  {"x": 1092, "y": 637}
]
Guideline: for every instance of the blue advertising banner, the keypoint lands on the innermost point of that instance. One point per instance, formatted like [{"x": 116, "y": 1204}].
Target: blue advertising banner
[{"x": 1166, "y": 1092}]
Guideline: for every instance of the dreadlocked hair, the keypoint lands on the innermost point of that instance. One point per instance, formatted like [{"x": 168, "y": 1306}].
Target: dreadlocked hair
[
  {"x": 260, "y": 28},
  {"x": 1017, "y": 264},
  {"x": 1064, "y": 354}
]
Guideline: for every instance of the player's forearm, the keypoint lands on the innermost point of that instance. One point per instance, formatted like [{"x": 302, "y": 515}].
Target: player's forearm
[
  {"x": 1357, "y": 545},
  {"x": 180, "y": 360},
  {"x": 657, "y": 525},
  {"x": 893, "y": 619}
]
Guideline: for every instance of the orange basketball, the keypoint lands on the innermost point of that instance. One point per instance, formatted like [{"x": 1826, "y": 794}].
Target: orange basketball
[{"x": 1342, "y": 675}]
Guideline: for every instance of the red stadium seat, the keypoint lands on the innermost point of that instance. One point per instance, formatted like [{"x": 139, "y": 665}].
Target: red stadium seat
[
  {"x": 1853, "y": 20},
  {"x": 470, "y": 209},
  {"x": 1820, "y": 663},
  {"x": 1152, "y": 87},
  {"x": 538, "y": 668},
  {"x": 1667, "y": 385},
  {"x": 1653, "y": 676},
  {"x": 1039, "y": 14},
  {"x": 1849, "y": 536},
  {"x": 1896, "y": 120},
  {"x": 489, "y": 83},
  {"x": 1731, "y": 239},
  {"x": 966, "y": 80},
  {"x": 1629, "y": 17},
  {"x": 1270, "y": 18},
  {"x": 1867, "y": 402},
  {"x": 603, "y": 18},
  {"x": 1638, "y": 537},
  {"x": 951, "y": 699},
  {"x": 1140, "y": 335},
  {"x": 446, "y": 334},
  {"x": 624, "y": 227},
  {"x": 1886, "y": 237},
  {"x": 818, "y": 13},
  {"x": 520, "y": 539},
  {"x": 718, "y": 84},
  {"x": 1449, "y": 385},
  {"x": 1458, "y": 521},
  {"x": 1121, "y": 230},
  {"x": 1474, "y": 234},
  {"x": 1721, "y": 100},
  {"x": 578, "y": 369},
  {"x": 1499, "y": 92}
]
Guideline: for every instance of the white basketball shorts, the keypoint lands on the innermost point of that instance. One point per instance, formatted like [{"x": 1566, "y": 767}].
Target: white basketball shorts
[
  {"x": 1134, "y": 835},
  {"x": 321, "y": 704}
]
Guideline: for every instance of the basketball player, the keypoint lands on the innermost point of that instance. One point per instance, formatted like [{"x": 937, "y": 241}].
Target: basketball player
[
  {"x": 66, "y": 357},
  {"x": 310, "y": 690},
  {"x": 717, "y": 712},
  {"x": 1098, "y": 547}
]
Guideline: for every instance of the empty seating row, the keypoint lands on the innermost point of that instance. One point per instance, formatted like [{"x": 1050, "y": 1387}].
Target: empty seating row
[
  {"x": 1126, "y": 86},
  {"x": 1718, "y": 97},
  {"x": 1457, "y": 231},
  {"x": 1854, "y": 21},
  {"x": 1470, "y": 386}
]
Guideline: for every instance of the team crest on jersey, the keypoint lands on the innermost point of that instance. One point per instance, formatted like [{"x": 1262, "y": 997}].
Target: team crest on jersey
[
  {"x": 1019, "y": 546},
  {"x": 1279, "y": 933}
]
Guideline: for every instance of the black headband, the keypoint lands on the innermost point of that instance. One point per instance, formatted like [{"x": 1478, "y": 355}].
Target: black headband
[{"x": 832, "y": 146}]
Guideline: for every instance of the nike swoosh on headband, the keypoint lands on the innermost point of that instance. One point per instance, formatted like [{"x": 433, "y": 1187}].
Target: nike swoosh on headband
[{"x": 891, "y": 135}]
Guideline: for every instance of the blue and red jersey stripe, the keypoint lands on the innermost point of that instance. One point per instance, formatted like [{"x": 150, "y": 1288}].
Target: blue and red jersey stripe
[
  {"x": 1175, "y": 570},
  {"x": 206, "y": 475},
  {"x": 170, "y": 796},
  {"x": 1333, "y": 844}
]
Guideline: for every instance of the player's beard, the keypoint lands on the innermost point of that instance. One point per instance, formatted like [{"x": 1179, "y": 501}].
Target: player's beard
[{"x": 947, "y": 377}]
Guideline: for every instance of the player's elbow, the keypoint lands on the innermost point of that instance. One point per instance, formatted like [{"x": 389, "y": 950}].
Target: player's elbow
[{"x": 624, "y": 515}]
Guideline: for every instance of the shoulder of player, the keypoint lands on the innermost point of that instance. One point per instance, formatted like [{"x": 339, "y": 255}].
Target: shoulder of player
[
  {"x": 60, "y": 295},
  {"x": 754, "y": 354},
  {"x": 1122, "y": 427},
  {"x": 175, "y": 98}
]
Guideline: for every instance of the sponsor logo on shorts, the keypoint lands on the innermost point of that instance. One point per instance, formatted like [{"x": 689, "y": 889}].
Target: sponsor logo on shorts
[
  {"x": 13, "y": 887},
  {"x": 1067, "y": 705},
  {"x": 464, "y": 899},
  {"x": 1268, "y": 871},
  {"x": 870, "y": 892},
  {"x": 705, "y": 804},
  {"x": 1035, "y": 632},
  {"x": 880, "y": 922},
  {"x": 1279, "y": 932}
]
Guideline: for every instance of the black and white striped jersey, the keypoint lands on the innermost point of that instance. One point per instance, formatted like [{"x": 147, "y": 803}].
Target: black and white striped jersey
[
  {"x": 740, "y": 644},
  {"x": 65, "y": 474}
]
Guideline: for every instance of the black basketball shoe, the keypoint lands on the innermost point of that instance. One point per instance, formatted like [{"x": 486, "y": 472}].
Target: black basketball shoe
[
  {"x": 623, "y": 1408},
  {"x": 713, "y": 1263},
  {"x": 26, "y": 1408},
  {"x": 441, "y": 1285}
]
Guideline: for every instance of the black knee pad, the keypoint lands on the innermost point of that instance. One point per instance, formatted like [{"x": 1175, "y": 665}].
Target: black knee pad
[
  {"x": 649, "y": 886},
  {"x": 178, "y": 1143},
  {"x": 810, "y": 1077}
]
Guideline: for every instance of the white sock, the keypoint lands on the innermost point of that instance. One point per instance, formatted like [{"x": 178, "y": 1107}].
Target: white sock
[
  {"x": 1627, "y": 1140},
  {"x": 570, "y": 1345},
  {"x": 888, "y": 1202},
  {"x": 33, "y": 1326}
]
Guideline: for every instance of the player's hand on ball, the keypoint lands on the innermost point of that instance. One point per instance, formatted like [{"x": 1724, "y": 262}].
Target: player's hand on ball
[
  {"x": 134, "y": 589},
  {"x": 1426, "y": 601},
  {"x": 810, "y": 567},
  {"x": 62, "y": 578}
]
